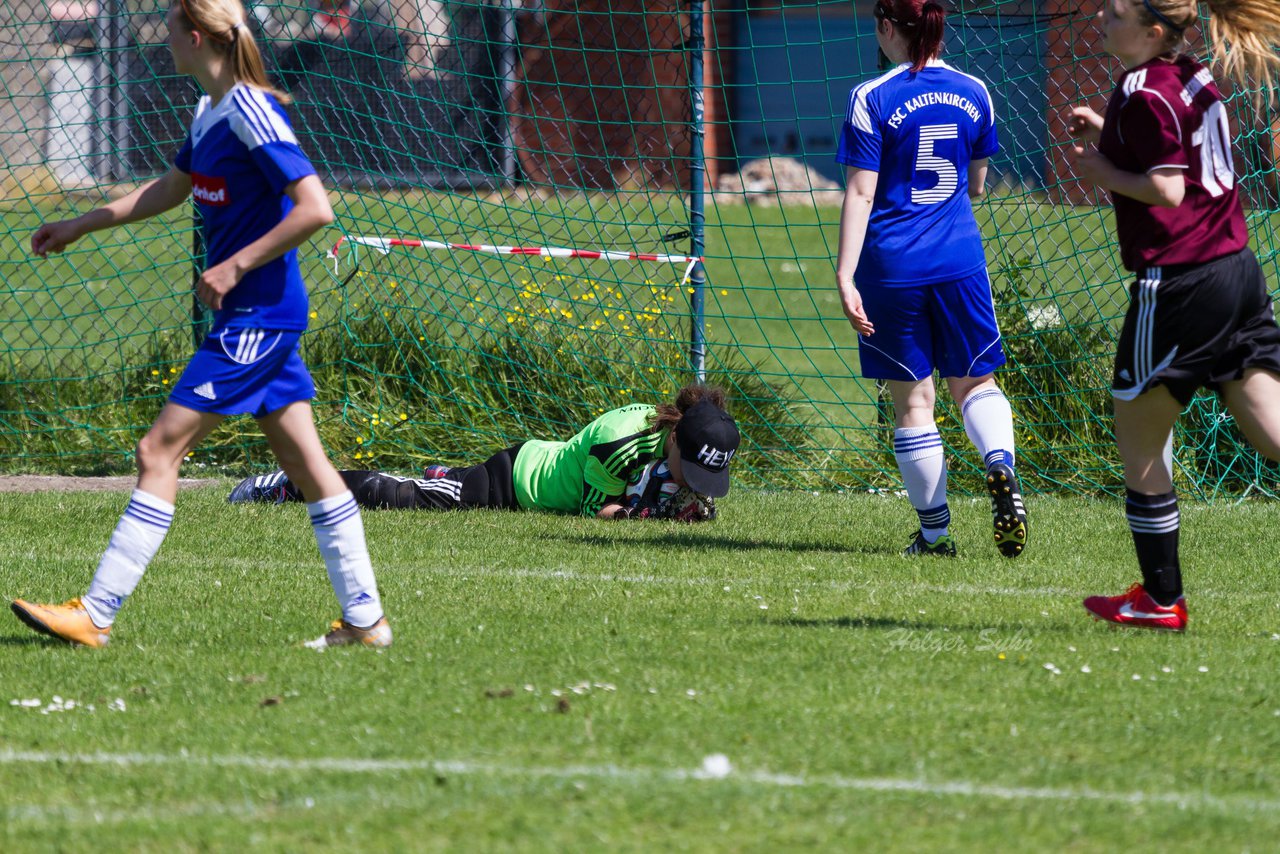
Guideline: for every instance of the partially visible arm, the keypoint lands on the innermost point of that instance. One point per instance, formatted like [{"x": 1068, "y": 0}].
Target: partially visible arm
[
  {"x": 1161, "y": 188},
  {"x": 1155, "y": 138},
  {"x": 613, "y": 509},
  {"x": 977, "y": 177},
  {"x": 311, "y": 212},
  {"x": 154, "y": 197},
  {"x": 855, "y": 213}
]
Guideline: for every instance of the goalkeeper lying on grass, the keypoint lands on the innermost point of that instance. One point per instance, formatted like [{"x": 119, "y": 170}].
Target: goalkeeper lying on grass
[{"x": 588, "y": 475}]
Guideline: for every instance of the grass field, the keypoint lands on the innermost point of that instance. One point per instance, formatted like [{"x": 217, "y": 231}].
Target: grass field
[{"x": 558, "y": 684}]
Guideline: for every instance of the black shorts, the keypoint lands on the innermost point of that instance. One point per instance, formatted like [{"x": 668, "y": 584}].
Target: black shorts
[{"x": 1194, "y": 326}]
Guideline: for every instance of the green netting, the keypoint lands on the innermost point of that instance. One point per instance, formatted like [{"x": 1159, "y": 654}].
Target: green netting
[{"x": 592, "y": 125}]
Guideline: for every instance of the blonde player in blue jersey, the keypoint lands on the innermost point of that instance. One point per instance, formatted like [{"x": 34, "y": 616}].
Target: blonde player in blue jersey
[
  {"x": 911, "y": 270},
  {"x": 260, "y": 199}
]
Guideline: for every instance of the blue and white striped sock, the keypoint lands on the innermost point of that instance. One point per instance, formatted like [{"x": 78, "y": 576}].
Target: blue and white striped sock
[
  {"x": 340, "y": 535},
  {"x": 918, "y": 451},
  {"x": 934, "y": 522},
  {"x": 134, "y": 543},
  {"x": 988, "y": 421}
]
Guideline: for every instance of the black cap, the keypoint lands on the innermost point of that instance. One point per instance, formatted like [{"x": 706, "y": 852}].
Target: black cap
[{"x": 708, "y": 438}]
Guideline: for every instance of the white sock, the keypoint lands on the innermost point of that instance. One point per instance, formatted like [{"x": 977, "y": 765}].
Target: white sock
[
  {"x": 340, "y": 535},
  {"x": 136, "y": 540},
  {"x": 918, "y": 451},
  {"x": 988, "y": 421}
]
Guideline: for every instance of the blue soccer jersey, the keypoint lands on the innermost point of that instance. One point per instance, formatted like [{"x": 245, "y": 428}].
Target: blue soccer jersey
[
  {"x": 241, "y": 154},
  {"x": 919, "y": 131}
]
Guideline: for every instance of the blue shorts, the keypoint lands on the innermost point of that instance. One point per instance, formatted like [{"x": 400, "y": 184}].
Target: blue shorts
[
  {"x": 946, "y": 326},
  {"x": 245, "y": 372}
]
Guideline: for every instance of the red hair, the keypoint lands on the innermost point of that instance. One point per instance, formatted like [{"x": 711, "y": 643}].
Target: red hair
[{"x": 921, "y": 21}]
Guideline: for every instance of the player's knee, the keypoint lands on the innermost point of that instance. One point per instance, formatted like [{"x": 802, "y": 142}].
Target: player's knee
[{"x": 154, "y": 455}]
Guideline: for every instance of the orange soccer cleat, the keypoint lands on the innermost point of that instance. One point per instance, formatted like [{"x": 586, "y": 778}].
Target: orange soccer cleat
[{"x": 69, "y": 622}]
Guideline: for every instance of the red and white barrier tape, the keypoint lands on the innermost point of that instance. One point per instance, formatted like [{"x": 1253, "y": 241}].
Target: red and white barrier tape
[{"x": 385, "y": 244}]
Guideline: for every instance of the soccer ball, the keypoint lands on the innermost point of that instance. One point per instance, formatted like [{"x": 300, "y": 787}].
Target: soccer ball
[
  {"x": 651, "y": 493},
  {"x": 650, "y": 486}
]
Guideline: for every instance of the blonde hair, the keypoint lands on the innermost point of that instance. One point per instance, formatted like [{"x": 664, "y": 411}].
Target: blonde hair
[
  {"x": 225, "y": 24},
  {"x": 1243, "y": 35}
]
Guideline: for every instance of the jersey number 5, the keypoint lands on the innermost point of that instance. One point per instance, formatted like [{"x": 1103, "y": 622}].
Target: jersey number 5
[
  {"x": 1213, "y": 139},
  {"x": 928, "y": 161}
]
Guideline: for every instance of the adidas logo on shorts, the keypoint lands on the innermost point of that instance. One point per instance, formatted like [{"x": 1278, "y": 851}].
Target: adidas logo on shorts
[{"x": 205, "y": 390}]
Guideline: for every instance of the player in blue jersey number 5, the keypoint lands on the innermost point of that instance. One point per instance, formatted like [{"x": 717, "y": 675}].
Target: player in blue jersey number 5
[
  {"x": 260, "y": 199},
  {"x": 911, "y": 270}
]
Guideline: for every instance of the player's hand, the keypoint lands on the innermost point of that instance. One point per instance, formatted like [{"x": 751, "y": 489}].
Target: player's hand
[
  {"x": 688, "y": 506},
  {"x": 1089, "y": 164},
  {"x": 851, "y": 300},
  {"x": 1085, "y": 124},
  {"x": 55, "y": 237},
  {"x": 216, "y": 282}
]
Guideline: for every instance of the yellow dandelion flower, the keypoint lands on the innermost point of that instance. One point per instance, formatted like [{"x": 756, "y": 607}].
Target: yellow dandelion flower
[
  {"x": 404, "y": 416},
  {"x": 155, "y": 372},
  {"x": 314, "y": 315},
  {"x": 724, "y": 293},
  {"x": 173, "y": 370},
  {"x": 359, "y": 455},
  {"x": 164, "y": 381}
]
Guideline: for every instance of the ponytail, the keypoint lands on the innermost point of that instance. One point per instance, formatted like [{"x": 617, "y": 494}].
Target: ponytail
[
  {"x": 1244, "y": 35},
  {"x": 921, "y": 23},
  {"x": 926, "y": 39},
  {"x": 224, "y": 23}
]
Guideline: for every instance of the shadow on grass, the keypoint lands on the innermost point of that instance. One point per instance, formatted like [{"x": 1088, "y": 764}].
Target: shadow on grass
[
  {"x": 31, "y": 639},
  {"x": 940, "y": 629},
  {"x": 692, "y": 540}
]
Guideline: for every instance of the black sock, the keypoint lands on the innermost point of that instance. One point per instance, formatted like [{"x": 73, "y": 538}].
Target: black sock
[{"x": 1153, "y": 520}]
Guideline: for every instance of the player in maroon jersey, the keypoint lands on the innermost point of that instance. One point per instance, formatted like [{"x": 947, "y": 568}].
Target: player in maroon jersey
[{"x": 1200, "y": 314}]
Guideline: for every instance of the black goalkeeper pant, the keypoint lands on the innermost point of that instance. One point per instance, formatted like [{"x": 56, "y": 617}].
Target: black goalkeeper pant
[{"x": 490, "y": 484}]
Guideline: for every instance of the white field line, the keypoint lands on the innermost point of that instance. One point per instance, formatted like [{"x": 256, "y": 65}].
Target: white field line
[{"x": 630, "y": 776}]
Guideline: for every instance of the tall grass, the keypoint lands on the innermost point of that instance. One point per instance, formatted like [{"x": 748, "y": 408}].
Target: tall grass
[{"x": 390, "y": 398}]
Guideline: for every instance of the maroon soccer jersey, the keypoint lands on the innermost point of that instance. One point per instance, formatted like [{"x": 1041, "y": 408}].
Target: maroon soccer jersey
[{"x": 1170, "y": 114}]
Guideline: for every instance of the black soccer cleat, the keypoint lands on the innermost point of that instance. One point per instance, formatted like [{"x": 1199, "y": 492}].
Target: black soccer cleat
[
  {"x": 268, "y": 488},
  {"x": 1008, "y": 515}
]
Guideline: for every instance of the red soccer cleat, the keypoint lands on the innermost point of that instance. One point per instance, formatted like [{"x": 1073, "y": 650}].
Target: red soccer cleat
[{"x": 1137, "y": 608}]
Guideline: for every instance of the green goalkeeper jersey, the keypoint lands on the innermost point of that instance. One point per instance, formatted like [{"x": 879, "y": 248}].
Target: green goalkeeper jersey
[{"x": 581, "y": 474}]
